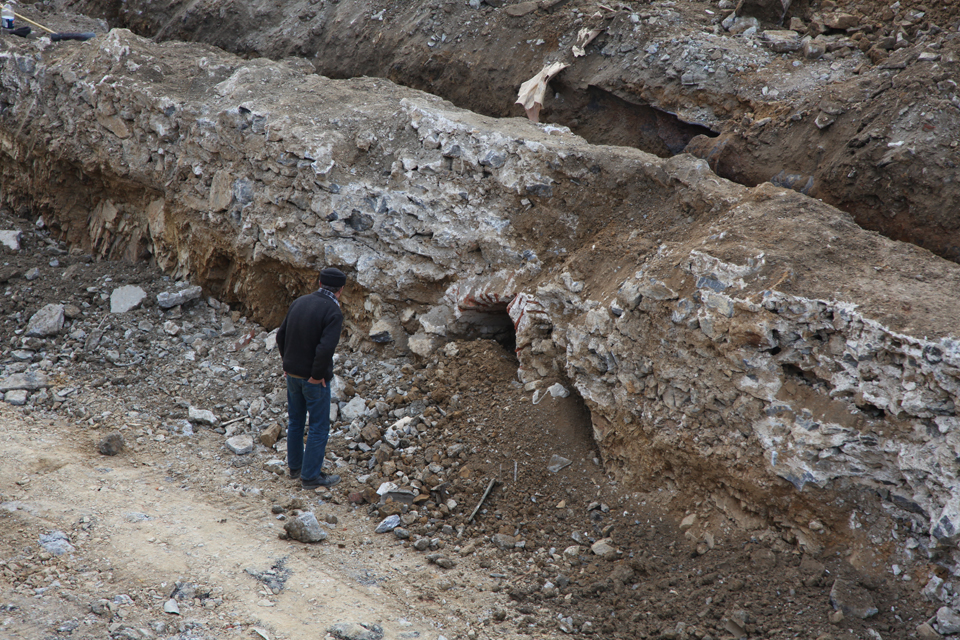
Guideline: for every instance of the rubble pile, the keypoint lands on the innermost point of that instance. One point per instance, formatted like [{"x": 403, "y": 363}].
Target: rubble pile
[
  {"x": 450, "y": 457},
  {"x": 455, "y": 226}
]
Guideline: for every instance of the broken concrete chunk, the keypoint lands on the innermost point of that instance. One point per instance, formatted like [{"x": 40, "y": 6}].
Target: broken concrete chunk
[
  {"x": 521, "y": 9},
  {"x": 388, "y": 524},
  {"x": 557, "y": 390},
  {"x": 655, "y": 289},
  {"x": 423, "y": 344},
  {"x": 275, "y": 465},
  {"x": 782, "y": 41},
  {"x": 442, "y": 561},
  {"x": 11, "y": 239},
  {"x": 270, "y": 435},
  {"x": 47, "y": 321},
  {"x": 126, "y": 298},
  {"x": 603, "y": 548},
  {"x": 354, "y": 409},
  {"x": 948, "y": 621},
  {"x": 169, "y": 299},
  {"x": 28, "y": 381},
  {"x": 240, "y": 445},
  {"x": 840, "y": 21},
  {"x": 17, "y": 397},
  {"x": 436, "y": 320},
  {"x": 305, "y": 528},
  {"x": 202, "y": 416},
  {"x": 381, "y": 331},
  {"x": 557, "y": 463},
  {"x": 851, "y": 599}
]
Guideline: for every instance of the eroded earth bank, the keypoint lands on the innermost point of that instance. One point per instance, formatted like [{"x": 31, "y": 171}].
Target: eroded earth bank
[{"x": 747, "y": 362}]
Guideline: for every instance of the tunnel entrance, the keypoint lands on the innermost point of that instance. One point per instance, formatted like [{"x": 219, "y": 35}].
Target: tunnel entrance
[{"x": 488, "y": 321}]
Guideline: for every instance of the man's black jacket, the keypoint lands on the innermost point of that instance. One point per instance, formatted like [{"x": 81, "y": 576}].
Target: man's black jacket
[{"x": 309, "y": 336}]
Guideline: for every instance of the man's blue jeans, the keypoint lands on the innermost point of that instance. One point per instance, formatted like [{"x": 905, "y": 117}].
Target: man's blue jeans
[{"x": 303, "y": 397}]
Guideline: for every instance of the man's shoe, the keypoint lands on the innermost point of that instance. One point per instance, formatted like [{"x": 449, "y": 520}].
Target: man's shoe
[
  {"x": 323, "y": 480},
  {"x": 294, "y": 474}
]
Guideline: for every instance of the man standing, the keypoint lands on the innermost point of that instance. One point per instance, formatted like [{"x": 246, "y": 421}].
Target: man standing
[{"x": 306, "y": 340}]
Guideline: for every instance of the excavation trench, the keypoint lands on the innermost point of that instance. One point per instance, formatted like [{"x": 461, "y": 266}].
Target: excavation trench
[
  {"x": 686, "y": 311},
  {"x": 653, "y": 79}
]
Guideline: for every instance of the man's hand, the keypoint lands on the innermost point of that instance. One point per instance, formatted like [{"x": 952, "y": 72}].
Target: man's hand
[{"x": 320, "y": 382}]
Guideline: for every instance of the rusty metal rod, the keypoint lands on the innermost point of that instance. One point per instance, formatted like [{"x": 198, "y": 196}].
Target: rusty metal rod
[{"x": 493, "y": 481}]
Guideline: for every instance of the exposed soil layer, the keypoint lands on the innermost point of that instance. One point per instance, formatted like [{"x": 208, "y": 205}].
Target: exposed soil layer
[
  {"x": 866, "y": 127},
  {"x": 178, "y": 516}
]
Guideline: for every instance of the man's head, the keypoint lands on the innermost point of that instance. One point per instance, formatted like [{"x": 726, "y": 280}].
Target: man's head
[{"x": 332, "y": 279}]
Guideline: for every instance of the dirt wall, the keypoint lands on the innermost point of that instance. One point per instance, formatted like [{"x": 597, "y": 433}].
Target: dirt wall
[
  {"x": 756, "y": 336},
  {"x": 862, "y": 118}
]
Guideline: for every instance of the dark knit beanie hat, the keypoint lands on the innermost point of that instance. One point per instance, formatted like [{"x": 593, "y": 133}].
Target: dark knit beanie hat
[{"x": 333, "y": 277}]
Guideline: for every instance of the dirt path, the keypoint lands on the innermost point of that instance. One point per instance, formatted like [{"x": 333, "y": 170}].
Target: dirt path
[{"x": 142, "y": 532}]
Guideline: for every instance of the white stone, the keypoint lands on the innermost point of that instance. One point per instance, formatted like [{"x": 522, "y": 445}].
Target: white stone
[
  {"x": 557, "y": 390},
  {"x": 46, "y": 322},
  {"x": 948, "y": 621},
  {"x": 275, "y": 465},
  {"x": 240, "y": 445},
  {"x": 386, "y": 487},
  {"x": 126, "y": 298},
  {"x": 334, "y": 412},
  {"x": 170, "y": 606},
  {"x": 270, "y": 342},
  {"x": 388, "y": 524},
  {"x": 169, "y": 299},
  {"x": 202, "y": 416},
  {"x": 423, "y": 344},
  {"x": 354, "y": 409},
  {"x": 436, "y": 321},
  {"x": 603, "y": 548},
  {"x": 381, "y": 331},
  {"x": 29, "y": 381},
  {"x": 11, "y": 239},
  {"x": 16, "y": 397},
  {"x": 171, "y": 328},
  {"x": 336, "y": 389}
]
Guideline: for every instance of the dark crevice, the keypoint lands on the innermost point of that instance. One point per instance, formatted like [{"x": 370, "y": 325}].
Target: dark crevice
[
  {"x": 872, "y": 411},
  {"x": 600, "y": 117}
]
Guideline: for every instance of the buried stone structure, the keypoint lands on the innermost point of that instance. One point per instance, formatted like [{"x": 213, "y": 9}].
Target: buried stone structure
[{"x": 754, "y": 345}]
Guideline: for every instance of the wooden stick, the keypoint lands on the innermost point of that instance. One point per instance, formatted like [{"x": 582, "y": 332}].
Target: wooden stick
[
  {"x": 36, "y": 24},
  {"x": 493, "y": 481},
  {"x": 223, "y": 424}
]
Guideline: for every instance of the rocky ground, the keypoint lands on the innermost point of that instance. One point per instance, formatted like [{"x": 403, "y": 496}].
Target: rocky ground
[
  {"x": 143, "y": 488},
  {"x": 854, "y": 103},
  {"x": 144, "y": 493}
]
